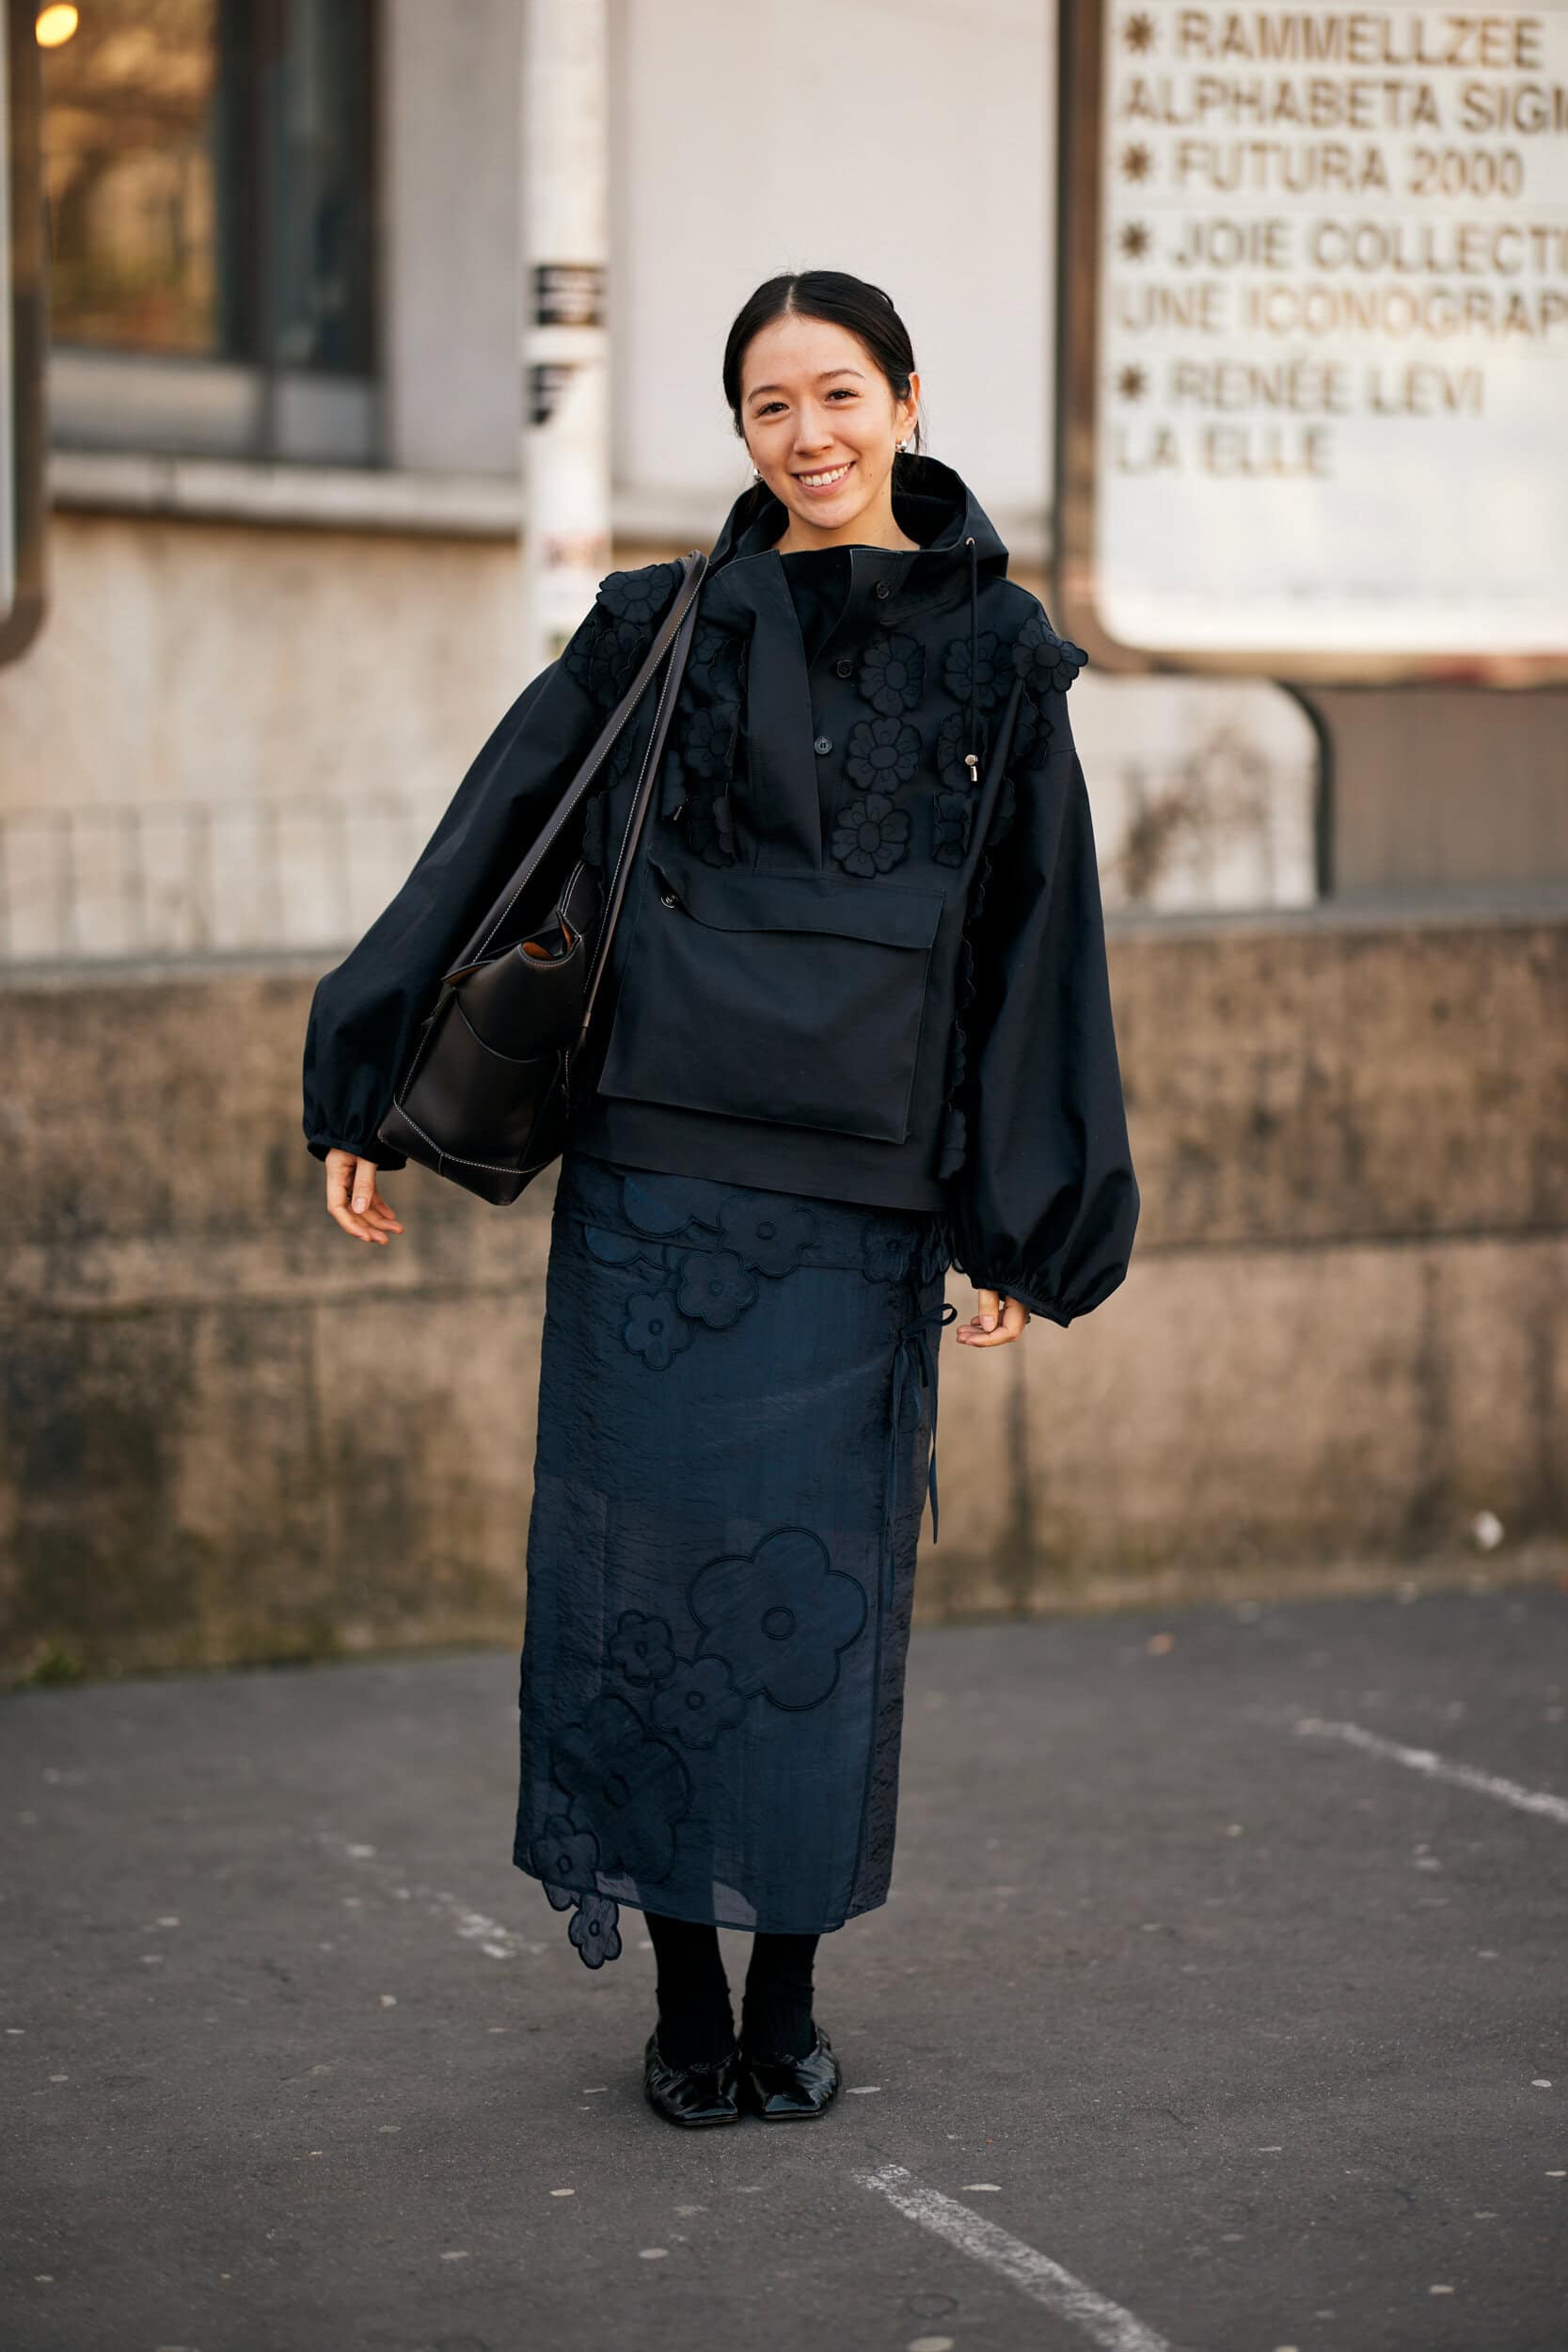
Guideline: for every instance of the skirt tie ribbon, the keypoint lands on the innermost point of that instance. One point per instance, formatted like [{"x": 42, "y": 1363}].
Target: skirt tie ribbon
[{"x": 913, "y": 1368}]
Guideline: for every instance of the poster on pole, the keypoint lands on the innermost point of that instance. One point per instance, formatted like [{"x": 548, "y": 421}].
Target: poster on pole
[{"x": 1312, "y": 339}]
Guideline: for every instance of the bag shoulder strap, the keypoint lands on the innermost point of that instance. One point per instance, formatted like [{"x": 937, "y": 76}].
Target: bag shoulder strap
[
  {"x": 695, "y": 563},
  {"x": 636, "y": 819}
]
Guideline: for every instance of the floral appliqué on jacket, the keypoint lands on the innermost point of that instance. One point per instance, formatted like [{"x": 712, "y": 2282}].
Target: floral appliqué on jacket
[
  {"x": 874, "y": 832},
  {"x": 605, "y": 654},
  {"x": 871, "y": 833},
  {"x": 708, "y": 738}
]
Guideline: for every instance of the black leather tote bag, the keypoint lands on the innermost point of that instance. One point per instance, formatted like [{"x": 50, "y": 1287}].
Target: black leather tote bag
[{"x": 486, "y": 1098}]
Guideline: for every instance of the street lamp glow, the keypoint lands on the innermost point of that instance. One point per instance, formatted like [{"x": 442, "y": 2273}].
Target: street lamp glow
[{"x": 54, "y": 26}]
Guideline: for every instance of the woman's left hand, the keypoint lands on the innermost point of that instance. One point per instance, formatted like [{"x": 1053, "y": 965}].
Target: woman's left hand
[{"x": 995, "y": 1324}]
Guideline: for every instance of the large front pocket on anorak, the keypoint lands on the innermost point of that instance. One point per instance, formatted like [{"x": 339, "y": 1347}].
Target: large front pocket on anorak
[{"x": 796, "y": 999}]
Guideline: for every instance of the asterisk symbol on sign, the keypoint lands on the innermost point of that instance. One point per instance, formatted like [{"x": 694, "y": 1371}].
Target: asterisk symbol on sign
[
  {"x": 1138, "y": 32},
  {"x": 1132, "y": 383},
  {"x": 1137, "y": 163},
  {"x": 1134, "y": 240}
]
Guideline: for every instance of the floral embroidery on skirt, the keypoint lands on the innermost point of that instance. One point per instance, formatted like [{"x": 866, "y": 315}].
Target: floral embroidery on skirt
[{"x": 736, "y": 1418}]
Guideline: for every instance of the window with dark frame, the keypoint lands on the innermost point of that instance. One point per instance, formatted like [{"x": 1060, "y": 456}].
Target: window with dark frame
[{"x": 209, "y": 185}]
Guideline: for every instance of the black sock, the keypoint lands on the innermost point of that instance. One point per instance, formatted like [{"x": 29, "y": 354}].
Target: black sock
[
  {"x": 775, "y": 2009},
  {"x": 696, "y": 2025}
]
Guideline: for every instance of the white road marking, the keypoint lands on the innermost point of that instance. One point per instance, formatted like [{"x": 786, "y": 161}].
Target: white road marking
[
  {"x": 1032, "y": 2273},
  {"x": 493, "y": 1939},
  {"x": 1437, "y": 1768}
]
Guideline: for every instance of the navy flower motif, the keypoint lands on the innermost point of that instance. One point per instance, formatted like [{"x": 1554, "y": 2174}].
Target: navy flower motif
[
  {"x": 642, "y": 1648},
  {"x": 602, "y": 657},
  {"x": 936, "y": 1250},
  {"x": 1044, "y": 660},
  {"x": 870, "y": 836},
  {"x": 770, "y": 1237},
  {"x": 780, "y": 1616},
  {"x": 596, "y": 1930},
  {"x": 719, "y": 656},
  {"x": 707, "y": 737},
  {"x": 994, "y": 676},
  {"x": 613, "y": 1249},
  {"x": 893, "y": 673},
  {"x": 565, "y": 1858},
  {"x": 640, "y": 596},
  {"x": 883, "y": 753},
  {"x": 624, "y": 1785},
  {"x": 654, "y": 1328},
  {"x": 884, "y": 1251},
  {"x": 667, "y": 1205},
  {"x": 952, "y": 816},
  {"x": 699, "y": 1703},
  {"x": 714, "y": 1286},
  {"x": 710, "y": 827}
]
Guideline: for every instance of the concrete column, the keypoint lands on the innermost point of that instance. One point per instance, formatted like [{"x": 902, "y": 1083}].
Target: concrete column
[{"x": 565, "y": 370}]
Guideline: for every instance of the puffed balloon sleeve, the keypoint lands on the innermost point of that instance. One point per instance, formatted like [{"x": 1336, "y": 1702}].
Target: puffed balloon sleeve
[
  {"x": 365, "y": 1011},
  {"x": 1046, "y": 1202}
]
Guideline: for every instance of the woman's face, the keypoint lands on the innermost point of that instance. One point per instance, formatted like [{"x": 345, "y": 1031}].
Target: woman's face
[{"x": 821, "y": 422}]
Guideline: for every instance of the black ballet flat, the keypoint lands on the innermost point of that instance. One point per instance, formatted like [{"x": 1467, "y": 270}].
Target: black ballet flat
[
  {"x": 783, "y": 2090},
  {"x": 692, "y": 2095}
]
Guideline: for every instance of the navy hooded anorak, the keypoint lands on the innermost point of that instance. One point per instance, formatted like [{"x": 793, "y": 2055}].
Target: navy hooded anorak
[{"x": 861, "y": 953}]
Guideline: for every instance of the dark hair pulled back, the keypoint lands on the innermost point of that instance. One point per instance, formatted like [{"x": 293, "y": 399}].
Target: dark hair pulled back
[{"x": 842, "y": 301}]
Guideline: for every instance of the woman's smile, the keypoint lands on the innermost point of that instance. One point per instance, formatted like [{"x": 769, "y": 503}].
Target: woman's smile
[{"x": 822, "y": 484}]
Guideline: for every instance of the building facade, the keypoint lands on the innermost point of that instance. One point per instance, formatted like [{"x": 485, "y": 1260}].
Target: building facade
[{"x": 284, "y": 395}]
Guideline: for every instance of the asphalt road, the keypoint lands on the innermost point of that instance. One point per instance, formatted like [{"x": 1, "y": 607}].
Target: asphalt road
[{"x": 1220, "y": 2005}]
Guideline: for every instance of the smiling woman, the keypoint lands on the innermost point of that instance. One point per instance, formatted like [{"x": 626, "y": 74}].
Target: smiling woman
[
  {"x": 860, "y": 1031},
  {"x": 817, "y": 424}
]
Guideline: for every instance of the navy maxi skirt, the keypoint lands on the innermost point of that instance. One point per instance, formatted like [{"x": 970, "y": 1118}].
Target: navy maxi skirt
[{"x": 736, "y": 1434}]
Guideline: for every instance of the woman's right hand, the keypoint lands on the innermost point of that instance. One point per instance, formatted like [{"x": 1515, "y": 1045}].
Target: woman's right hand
[{"x": 355, "y": 1199}]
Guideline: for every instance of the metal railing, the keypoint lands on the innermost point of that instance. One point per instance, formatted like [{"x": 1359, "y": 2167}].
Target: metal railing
[
  {"x": 1223, "y": 826},
  {"x": 158, "y": 879}
]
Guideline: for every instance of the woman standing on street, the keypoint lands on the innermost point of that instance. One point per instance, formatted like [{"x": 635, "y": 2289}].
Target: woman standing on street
[{"x": 861, "y": 1031}]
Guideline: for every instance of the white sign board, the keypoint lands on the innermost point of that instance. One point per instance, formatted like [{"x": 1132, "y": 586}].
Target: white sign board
[{"x": 1329, "y": 349}]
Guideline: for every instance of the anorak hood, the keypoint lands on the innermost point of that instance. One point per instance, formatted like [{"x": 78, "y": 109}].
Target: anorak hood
[{"x": 932, "y": 502}]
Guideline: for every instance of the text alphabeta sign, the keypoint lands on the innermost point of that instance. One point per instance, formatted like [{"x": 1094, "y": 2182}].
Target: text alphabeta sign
[{"x": 1314, "y": 326}]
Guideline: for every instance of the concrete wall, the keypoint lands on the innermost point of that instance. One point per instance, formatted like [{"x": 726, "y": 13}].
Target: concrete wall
[
  {"x": 232, "y": 739},
  {"x": 230, "y": 1432}
]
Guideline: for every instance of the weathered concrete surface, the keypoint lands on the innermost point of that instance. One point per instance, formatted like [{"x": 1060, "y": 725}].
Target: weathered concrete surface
[
  {"x": 279, "y": 716},
  {"x": 1258, "y": 2034},
  {"x": 232, "y": 1433}
]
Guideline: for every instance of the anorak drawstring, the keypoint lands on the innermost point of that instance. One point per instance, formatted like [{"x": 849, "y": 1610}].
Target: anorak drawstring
[{"x": 914, "y": 1358}]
